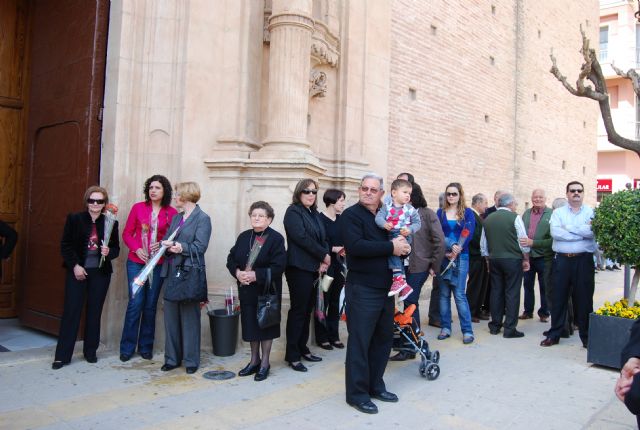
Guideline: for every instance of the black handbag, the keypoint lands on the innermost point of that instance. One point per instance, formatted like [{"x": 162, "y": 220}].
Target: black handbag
[
  {"x": 189, "y": 284},
  {"x": 268, "y": 304}
]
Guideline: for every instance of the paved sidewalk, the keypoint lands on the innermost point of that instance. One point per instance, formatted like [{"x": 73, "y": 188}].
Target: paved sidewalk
[{"x": 494, "y": 383}]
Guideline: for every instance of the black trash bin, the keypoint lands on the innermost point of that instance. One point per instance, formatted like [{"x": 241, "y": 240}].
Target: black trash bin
[{"x": 224, "y": 331}]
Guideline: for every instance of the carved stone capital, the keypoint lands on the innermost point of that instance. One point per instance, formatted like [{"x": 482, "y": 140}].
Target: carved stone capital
[{"x": 325, "y": 46}]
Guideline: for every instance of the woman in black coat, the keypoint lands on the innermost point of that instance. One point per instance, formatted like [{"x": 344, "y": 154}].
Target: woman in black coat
[
  {"x": 307, "y": 255},
  {"x": 81, "y": 247},
  {"x": 252, "y": 281}
]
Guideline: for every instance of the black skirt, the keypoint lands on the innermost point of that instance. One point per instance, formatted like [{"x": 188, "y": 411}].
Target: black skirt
[{"x": 251, "y": 332}]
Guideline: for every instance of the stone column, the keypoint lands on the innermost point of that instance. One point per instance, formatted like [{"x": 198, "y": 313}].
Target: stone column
[{"x": 290, "y": 28}]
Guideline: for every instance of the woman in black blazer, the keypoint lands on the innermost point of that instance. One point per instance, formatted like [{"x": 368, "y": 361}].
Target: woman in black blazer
[
  {"x": 252, "y": 281},
  {"x": 81, "y": 250},
  {"x": 307, "y": 255}
]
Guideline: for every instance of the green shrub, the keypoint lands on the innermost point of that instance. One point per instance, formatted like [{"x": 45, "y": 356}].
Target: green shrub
[{"x": 616, "y": 226}]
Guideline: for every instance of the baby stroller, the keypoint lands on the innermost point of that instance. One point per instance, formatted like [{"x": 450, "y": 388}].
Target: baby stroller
[{"x": 406, "y": 340}]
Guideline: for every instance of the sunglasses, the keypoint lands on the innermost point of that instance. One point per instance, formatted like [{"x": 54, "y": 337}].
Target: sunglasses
[
  {"x": 95, "y": 201},
  {"x": 306, "y": 191},
  {"x": 451, "y": 194},
  {"x": 576, "y": 191},
  {"x": 367, "y": 189}
]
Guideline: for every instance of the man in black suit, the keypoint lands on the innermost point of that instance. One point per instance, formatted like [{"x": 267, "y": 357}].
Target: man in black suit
[
  {"x": 369, "y": 308},
  {"x": 478, "y": 275},
  {"x": 493, "y": 208}
]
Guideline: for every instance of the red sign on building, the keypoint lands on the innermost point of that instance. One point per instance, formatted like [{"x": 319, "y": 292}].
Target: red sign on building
[
  {"x": 636, "y": 184},
  {"x": 605, "y": 185}
]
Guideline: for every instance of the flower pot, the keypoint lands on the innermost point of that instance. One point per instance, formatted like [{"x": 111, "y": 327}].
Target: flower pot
[
  {"x": 607, "y": 336},
  {"x": 224, "y": 331}
]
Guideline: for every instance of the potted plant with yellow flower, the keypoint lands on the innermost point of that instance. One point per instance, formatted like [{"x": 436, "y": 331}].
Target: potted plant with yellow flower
[{"x": 616, "y": 226}]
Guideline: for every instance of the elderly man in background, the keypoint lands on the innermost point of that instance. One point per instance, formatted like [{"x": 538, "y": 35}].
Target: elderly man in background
[
  {"x": 478, "y": 276},
  {"x": 573, "y": 268},
  {"x": 507, "y": 259},
  {"x": 536, "y": 221},
  {"x": 369, "y": 310}
]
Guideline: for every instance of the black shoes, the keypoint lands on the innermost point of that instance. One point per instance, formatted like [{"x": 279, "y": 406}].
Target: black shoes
[
  {"x": 338, "y": 344},
  {"x": 385, "y": 396},
  {"x": 298, "y": 367},
  {"x": 191, "y": 370},
  {"x": 311, "y": 357},
  {"x": 549, "y": 342},
  {"x": 125, "y": 357},
  {"x": 145, "y": 355},
  {"x": 402, "y": 356},
  {"x": 262, "y": 374},
  {"x": 494, "y": 331},
  {"x": 513, "y": 334},
  {"x": 91, "y": 359},
  {"x": 367, "y": 407},
  {"x": 57, "y": 365},
  {"x": 249, "y": 369},
  {"x": 168, "y": 367},
  {"x": 326, "y": 346}
]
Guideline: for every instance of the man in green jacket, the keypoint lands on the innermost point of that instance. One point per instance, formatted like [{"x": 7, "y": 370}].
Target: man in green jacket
[{"x": 536, "y": 221}]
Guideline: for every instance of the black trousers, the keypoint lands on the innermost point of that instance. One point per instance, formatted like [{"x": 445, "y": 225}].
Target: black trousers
[
  {"x": 94, "y": 290},
  {"x": 434, "y": 301},
  {"x": 506, "y": 279},
  {"x": 302, "y": 295},
  {"x": 477, "y": 284},
  {"x": 328, "y": 332},
  {"x": 572, "y": 277},
  {"x": 370, "y": 326}
]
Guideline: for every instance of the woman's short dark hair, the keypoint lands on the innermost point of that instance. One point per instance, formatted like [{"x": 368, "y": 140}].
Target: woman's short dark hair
[
  {"x": 331, "y": 196},
  {"x": 302, "y": 185},
  {"x": 264, "y": 206},
  {"x": 410, "y": 177},
  {"x": 166, "y": 188},
  {"x": 417, "y": 198}
]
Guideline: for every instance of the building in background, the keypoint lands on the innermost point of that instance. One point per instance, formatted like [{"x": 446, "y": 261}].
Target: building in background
[
  {"x": 619, "y": 44},
  {"x": 246, "y": 97}
]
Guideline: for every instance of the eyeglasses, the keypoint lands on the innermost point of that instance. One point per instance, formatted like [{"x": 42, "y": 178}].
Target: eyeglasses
[
  {"x": 575, "y": 190},
  {"x": 367, "y": 189},
  {"x": 451, "y": 194},
  {"x": 259, "y": 216},
  {"x": 307, "y": 191},
  {"x": 95, "y": 201}
]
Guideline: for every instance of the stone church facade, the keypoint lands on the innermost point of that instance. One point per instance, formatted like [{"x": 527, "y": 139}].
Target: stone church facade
[{"x": 246, "y": 97}]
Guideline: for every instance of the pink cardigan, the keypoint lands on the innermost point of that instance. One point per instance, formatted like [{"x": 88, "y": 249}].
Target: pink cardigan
[{"x": 141, "y": 214}]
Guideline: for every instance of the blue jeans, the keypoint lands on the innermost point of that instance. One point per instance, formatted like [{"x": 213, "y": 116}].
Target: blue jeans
[
  {"x": 140, "y": 319},
  {"x": 455, "y": 282},
  {"x": 415, "y": 281},
  {"x": 396, "y": 264}
]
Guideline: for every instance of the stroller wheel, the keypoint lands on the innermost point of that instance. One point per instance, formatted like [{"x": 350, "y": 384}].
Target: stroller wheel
[
  {"x": 435, "y": 356},
  {"x": 423, "y": 370},
  {"x": 432, "y": 371}
]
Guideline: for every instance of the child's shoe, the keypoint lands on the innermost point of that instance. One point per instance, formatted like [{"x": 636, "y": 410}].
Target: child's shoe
[
  {"x": 397, "y": 286},
  {"x": 405, "y": 292}
]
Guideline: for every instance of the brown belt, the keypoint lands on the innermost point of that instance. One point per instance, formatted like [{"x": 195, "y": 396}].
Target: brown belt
[{"x": 571, "y": 254}]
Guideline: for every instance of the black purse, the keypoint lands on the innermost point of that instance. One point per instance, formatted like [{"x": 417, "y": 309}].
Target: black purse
[
  {"x": 268, "y": 304},
  {"x": 189, "y": 284}
]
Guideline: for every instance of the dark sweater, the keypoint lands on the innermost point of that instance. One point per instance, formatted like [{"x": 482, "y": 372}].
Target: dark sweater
[
  {"x": 502, "y": 238},
  {"x": 474, "y": 244},
  {"x": 367, "y": 248}
]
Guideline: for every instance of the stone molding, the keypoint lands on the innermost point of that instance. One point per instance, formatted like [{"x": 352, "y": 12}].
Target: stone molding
[
  {"x": 290, "y": 20},
  {"x": 325, "y": 46},
  {"x": 317, "y": 84}
]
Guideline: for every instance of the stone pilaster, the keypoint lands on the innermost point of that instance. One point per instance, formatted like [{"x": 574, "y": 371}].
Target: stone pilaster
[{"x": 290, "y": 31}]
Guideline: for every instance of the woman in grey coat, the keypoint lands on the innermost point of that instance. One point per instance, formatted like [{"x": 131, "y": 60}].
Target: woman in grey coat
[{"x": 182, "y": 318}]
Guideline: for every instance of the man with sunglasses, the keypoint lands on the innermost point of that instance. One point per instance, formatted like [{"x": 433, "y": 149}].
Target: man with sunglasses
[
  {"x": 573, "y": 268},
  {"x": 369, "y": 308}
]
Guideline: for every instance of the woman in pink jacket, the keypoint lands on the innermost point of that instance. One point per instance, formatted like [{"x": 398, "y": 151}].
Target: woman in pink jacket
[{"x": 146, "y": 225}]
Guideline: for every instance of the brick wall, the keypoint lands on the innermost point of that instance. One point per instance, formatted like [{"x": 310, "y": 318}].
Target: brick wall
[{"x": 472, "y": 98}]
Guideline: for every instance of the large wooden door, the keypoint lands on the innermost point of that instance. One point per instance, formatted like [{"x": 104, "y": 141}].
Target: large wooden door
[
  {"x": 67, "y": 66},
  {"x": 13, "y": 41}
]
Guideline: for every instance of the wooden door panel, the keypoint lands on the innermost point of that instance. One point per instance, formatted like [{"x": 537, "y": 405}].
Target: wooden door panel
[
  {"x": 67, "y": 63},
  {"x": 13, "y": 37}
]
